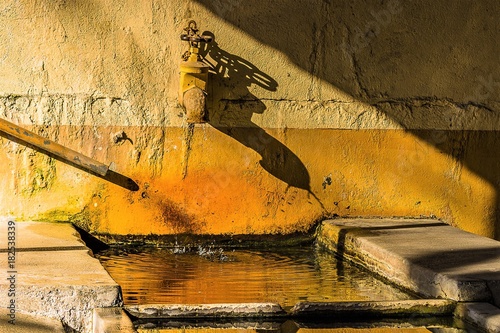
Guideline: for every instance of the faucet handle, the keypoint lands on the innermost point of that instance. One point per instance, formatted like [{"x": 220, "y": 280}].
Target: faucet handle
[
  {"x": 192, "y": 35},
  {"x": 196, "y": 38}
]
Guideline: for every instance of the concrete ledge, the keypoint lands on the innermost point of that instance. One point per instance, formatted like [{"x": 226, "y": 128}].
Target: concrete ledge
[
  {"x": 200, "y": 325},
  {"x": 408, "y": 308},
  {"x": 112, "y": 320},
  {"x": 483, "y": 315},
  {"x": 26, "y": 323},
  {"x": 318, "y": 325},
  {"x": 425, "y": 256},
  {"x": 228, "y": 310},
  {"x": 54, "y": 275},
  {"x": 42, "y": 236}
]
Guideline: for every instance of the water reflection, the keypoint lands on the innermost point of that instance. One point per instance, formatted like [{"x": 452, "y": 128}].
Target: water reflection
[{"x": 284, "y": 276}]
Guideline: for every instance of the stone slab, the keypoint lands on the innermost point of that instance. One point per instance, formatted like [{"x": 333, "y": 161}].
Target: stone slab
[
  {"x": 233, "y": 310},
  {"x": 112, "y": 320},
  {"x": 31, "y": 236},
  {"x": 484, "y": 315},
  {"x": 366, "y": 330},
  {"x": 26, "y": 323},
  {"x": 54, "y": 275},
  {"x": 422, "y": 255},
  {"x": 299, "y": 330},
  {"x": 293, "y": 326},
  {"x": 405, "y": 308}
]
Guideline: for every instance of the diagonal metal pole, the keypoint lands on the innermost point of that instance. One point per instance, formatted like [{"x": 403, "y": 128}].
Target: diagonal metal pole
[{"x": 52, "y": 147}]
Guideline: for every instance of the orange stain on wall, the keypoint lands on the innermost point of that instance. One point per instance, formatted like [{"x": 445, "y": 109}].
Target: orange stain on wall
[{"x": 211, "y": 181}]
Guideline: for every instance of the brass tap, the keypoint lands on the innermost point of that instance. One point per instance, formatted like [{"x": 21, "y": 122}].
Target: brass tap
[{"x": 194, "y": 75}]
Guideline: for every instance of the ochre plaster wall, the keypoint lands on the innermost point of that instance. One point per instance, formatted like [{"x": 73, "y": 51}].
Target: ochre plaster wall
[{"x": 355, "y": 108}]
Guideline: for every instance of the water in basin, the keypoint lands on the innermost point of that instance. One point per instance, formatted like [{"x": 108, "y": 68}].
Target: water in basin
[
  {"x": 213, "y": 275},
  {"x": 280, "y": 275}
]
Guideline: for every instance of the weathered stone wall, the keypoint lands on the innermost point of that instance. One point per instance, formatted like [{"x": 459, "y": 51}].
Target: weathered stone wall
[{"x": 316, "y": 108}]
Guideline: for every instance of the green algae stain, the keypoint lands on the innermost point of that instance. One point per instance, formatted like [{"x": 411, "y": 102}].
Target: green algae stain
[{"x": 55, "y": 215}]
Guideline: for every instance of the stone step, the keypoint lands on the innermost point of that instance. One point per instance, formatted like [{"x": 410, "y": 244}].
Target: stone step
[
  {"x": 25, "y": 323},
  {"x": 53, "y": 274},
  {"x": 425, "y": 256}
]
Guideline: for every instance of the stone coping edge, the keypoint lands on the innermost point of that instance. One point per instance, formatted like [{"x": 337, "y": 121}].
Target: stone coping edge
[
  {"x": 222, "y": 310},
  {"x": 484, "y": 315},
  {"x": 415, "y": 308},
  {"x": 370, "y": 309}
]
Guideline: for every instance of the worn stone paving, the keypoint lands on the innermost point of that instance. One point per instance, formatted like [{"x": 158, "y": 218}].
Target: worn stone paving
[
  {"x": 25, "y": 323},
  {"x": 53, "y": 274},
  {"x": 423, "y": 255}
]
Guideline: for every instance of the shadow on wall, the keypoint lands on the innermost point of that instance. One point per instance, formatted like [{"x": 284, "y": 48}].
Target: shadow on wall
[
  {"x": 431, "y": 66},
  {"x": 385, "y": 49},
  {"x": 233, "y": 117}
]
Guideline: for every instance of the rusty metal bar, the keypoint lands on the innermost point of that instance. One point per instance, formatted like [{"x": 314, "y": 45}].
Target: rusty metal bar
[{"x": 52, "y": 147}]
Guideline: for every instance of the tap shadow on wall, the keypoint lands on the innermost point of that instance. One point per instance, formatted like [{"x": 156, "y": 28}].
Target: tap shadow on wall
[
  {"x": 232, "y": 75},
  {"x": 393, "y": 55}
]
